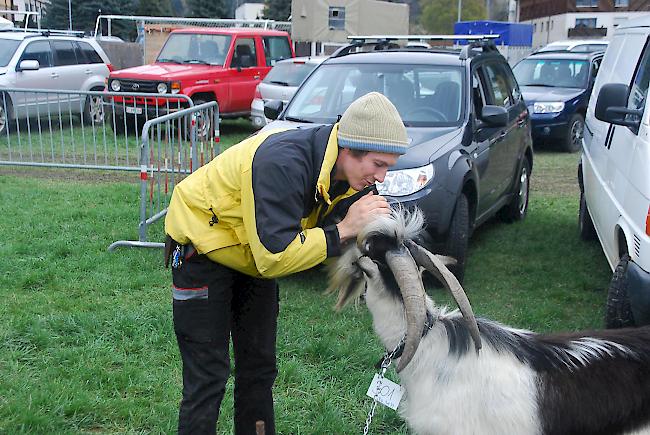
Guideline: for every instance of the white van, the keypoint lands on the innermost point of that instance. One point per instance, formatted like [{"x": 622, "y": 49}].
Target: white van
[{"x": 614, "y": 172}]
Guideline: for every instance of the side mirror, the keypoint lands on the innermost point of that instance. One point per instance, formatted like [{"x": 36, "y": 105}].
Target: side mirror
[
  {"x": 28, "y": 65},
  {"x": 611, "y": 106},
  {"x": 273, "y": 108},
  {"x": 494, "y": 116}
]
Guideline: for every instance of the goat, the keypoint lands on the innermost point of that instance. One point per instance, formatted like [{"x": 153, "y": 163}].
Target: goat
[{"x": 512, "y": 381}]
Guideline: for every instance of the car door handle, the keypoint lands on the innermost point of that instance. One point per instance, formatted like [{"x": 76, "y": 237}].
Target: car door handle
[
  {"x": 257, "y": 77},
  {"x": 503, "y": 134},
  {"x": 88, "y": 71},
  {"x": 521, "y": 123},
  {"x": 54, "y": 75}
]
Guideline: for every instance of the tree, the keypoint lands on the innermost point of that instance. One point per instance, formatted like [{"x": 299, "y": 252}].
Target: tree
[
  {"x": 278, "y": 10},
  {"x": 439, "y": 16},
  {"x": 207, "y": 9},
  {"x": 155, "y": 8},
  {"x": 84, "y": 15}
]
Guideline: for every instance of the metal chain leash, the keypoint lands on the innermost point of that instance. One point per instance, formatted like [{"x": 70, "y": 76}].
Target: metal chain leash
[{"x": 385, "y": 364}]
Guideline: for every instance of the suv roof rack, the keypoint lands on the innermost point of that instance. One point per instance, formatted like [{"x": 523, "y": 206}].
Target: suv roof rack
[
  {"x": 46, "y": 32},
  {"x": 386, "y": 42}
]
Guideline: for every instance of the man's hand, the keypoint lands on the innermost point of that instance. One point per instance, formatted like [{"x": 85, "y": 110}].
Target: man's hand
[{"x": 360, "y": 213}]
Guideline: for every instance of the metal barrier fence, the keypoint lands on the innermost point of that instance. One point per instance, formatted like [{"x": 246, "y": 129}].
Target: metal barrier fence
[
  {"x": 164, "y": 161},
  {"x": 80, "y": 129}
]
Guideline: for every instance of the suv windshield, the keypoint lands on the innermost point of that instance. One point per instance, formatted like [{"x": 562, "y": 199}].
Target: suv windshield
[
  {"x": 425, "y": 95},
  {"x": 561, "y": 73},
  {"x": 7, "y": 49},
  {"x": 195, "y": 48},
  {"x": 289, "y": 73}
]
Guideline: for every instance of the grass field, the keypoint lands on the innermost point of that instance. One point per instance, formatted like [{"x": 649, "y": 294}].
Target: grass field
[{"x": 86, "y": 340}]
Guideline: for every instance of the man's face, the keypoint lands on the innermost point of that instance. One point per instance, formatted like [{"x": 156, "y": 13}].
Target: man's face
[{"x": 361, "y": 172}]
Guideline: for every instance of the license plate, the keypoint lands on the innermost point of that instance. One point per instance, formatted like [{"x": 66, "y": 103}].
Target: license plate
[{"x": 134, "y": 110}]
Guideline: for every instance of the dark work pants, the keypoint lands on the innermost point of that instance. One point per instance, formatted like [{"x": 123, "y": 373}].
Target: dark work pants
[{"x": 211, "y": 303}]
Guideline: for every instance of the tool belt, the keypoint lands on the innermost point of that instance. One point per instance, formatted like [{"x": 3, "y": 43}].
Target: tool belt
[{"x": 177, "y": 251}]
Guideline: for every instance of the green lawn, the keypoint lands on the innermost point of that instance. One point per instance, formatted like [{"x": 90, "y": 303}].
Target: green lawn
[{"x": 86, "y": 337}]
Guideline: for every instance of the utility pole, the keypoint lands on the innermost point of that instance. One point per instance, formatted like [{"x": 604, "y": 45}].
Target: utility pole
[
  {"x": 460, "y": 6},
  {"x": 69, "y": 14}
]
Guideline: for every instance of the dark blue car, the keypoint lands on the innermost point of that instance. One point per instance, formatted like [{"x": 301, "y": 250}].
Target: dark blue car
[{"x": 556, "y": 88}]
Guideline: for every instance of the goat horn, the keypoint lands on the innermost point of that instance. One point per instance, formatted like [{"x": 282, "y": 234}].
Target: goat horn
[
  {"x": 405, "y": 271},
  {"x": 434, "y": 265}
]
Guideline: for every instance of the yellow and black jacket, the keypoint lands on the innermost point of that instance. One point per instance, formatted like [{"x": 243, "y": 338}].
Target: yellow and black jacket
[{"x": 266, "y": 206}]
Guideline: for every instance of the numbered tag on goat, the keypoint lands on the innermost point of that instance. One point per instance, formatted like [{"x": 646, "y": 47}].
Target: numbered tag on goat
[{"x": 385, "y": 391}]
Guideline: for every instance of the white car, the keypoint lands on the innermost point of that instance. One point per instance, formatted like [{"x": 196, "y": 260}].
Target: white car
[
  {"x": 614, "y": 173},
  {"x": 281, "y": 83},
  {"x": 52, "y": 61},
  {"x": 576, "y": 46}
]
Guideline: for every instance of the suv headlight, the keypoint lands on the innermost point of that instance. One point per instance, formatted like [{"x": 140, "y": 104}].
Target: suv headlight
[
  {"x": 115, "y": 85},
  {"x": 405, "y": 181},
  {"x": 162, "y": 88},
  {"x": 554, "y": 107}
]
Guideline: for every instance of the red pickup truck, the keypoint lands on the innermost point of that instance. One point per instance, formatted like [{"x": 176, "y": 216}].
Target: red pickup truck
[{"x": 206, "y": 64}]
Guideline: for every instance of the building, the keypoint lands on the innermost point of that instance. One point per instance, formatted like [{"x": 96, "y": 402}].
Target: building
[
  {"x": 318, "y": 27},
  {"x": 555, "y": 20},
  {"x": 249, "y": 11}
]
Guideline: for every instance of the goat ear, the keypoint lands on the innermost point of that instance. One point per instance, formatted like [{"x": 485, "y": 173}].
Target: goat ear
[{"x": 347, "y": 277}]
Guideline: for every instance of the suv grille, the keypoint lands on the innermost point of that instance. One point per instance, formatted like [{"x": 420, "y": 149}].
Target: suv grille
[{"x": 139, "y": 86}]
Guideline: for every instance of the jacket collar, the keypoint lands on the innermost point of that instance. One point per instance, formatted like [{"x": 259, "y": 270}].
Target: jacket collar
[{"x": 324, "y": 177}]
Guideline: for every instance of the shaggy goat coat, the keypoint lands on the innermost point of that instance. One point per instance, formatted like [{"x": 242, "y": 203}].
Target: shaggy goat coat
[{"x": 520, "y": 382}]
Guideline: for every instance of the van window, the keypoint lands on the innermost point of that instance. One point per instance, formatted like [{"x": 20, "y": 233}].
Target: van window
[
  {"x": 639, "y": 88},
  {"x": 276, "y": 48}
]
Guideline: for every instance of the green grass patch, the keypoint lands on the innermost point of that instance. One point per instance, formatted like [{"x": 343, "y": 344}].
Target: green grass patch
[{"x": 87, "y": 343}]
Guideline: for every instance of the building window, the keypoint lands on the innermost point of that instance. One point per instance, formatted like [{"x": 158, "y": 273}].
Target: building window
[
  {"x": 587, "y": 3},
  {"x": 337, "y": 18},
  {"x": 621, "y": 3},
  {"x": 586, "y": 22},
  {"x": 534, "y": 27}
]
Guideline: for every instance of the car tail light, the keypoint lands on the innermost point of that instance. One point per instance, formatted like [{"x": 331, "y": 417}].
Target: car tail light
[
  {"x": 258, "y": 94},
  {"x": 647, "y": 223},
  {"x": 110, "y": 66},
  {"x": 299, "y": 61}
]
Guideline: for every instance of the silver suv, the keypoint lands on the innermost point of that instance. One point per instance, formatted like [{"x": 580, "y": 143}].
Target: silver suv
[{"x": 52, "y": 61}]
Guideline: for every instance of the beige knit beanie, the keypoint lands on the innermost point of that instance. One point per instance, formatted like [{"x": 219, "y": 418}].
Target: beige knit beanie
[{"x": 372, "y": 123}]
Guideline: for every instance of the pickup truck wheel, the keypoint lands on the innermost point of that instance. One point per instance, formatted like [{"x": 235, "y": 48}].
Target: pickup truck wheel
[
  {"x": 517, "y": 208},
  {"x": 203, "y": 123},
  {"x": 116, "y": 122},
  {"x": 457, "y": 237},
  {"x": 618, "y": 313},
  {"x": 573, "y": 139},
  {"x": 586, "y": 225}
]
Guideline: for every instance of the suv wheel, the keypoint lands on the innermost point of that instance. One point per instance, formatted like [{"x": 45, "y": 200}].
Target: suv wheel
[
  {"x": 618, "y": 313},
  {"x": 517, "y": 209},
  {"x": 5, "y": 110},
  {"x": 456, "y": 244},
  {"x": 573, "y": 139},
  {"x": 93, "y": 109},
  {"x": 586, "y": 225}
]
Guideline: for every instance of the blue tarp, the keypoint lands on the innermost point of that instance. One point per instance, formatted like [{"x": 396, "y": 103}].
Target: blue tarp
[{"x": 515, "y": 34}]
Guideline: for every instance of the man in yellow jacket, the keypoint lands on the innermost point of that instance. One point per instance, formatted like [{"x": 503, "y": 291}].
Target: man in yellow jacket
[{"x": 276, "y": 203}]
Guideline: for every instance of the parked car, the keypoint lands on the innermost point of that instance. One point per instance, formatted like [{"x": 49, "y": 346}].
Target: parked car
[
  {"x": 576, "y": 46},
  {"x": 613, "y": 172},
  {"x": 50, "y": 60},
  {"x": 471, "y": 152},
  {"x": 556, "y": 87},
  {"x": 206, "y": 64},
  {"x": 281, "y": 83}
]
